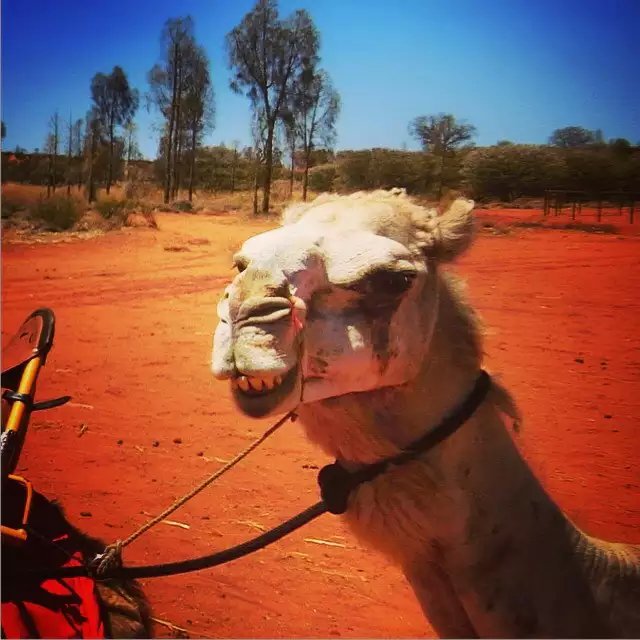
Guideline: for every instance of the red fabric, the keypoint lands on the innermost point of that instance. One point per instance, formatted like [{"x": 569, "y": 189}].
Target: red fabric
[{"x": 65, "y": 608}]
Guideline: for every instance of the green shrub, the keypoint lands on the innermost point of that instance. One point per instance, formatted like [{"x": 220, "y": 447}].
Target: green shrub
[
  {"x": 58, "y": 212},
  {"x": 512, "y": 171},
  {"x": 110, "y": 208},
  {"x": 9, "y": 208},
  {"x": 322, "y": 177},
  {"x": 385, "y": 169},
  {"x": 183, "y": 205}
]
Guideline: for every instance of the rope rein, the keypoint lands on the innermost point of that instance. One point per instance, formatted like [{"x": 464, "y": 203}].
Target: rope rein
[
  {"x": 111, "y": 558},
  {"x": 336, "y": 484}
]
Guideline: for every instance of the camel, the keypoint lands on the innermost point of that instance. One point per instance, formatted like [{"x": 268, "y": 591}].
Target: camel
[{"x": 344, "y": 314}]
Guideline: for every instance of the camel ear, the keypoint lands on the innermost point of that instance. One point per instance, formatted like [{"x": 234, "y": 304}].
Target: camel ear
[{"x": 453, "y": 231}]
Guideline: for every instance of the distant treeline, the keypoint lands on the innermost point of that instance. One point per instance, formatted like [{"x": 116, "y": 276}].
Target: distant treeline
[{"x": 502, "y": 172}]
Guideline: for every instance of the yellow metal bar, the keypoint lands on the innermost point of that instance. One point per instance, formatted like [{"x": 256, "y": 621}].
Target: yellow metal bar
[
  {"x": 20, "y": 534},
  {"x": 16, "y": 534},
  {"x": 27, "y": 383}
]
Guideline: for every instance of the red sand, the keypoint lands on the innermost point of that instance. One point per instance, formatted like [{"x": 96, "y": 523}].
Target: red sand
[{"x": 134, "y": 332}]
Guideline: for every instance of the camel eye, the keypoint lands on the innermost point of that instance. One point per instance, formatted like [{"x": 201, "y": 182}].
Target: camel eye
[
  {"x": 387, "y": 283},
  {"x": 240, "y": 264},
  {"x": 390, "y": 281}
]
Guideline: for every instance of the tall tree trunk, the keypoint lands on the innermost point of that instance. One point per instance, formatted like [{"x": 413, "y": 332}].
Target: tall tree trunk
[
  {"x": 127, "y": 156},
  {"x": 177, "y": 141},
  {"x": 192, "y": 164},
  {"x": 92, "y": 151},
  {"x": 50, "y": 178},
  {"x": 440, "y": 185},
  {"x": 53, "y": 171},
  {"x": 233, "y": 170},
  {"x": 167, "y": 169},
  {"x": 170, "y": 132},
  {"x": 293, "y": 160},
  {"x": 178, "y": 160},
  {"x": 110, "y": 164},
  {"x": 305, "y": 179},
  {"x": 255, "y": 186},
  {"x": 69, "y": 155},
  {"x": 268, "y": 167}
]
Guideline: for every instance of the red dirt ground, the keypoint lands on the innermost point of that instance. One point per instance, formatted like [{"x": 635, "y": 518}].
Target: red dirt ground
[{"x": 135, "y": 315}]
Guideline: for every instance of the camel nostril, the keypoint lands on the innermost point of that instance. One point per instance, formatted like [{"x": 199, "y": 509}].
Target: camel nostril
[{"x": 260, "y": 310}]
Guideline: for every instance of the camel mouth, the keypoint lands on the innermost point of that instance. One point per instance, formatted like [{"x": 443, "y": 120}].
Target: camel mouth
[{"x": 259, "y": 395}]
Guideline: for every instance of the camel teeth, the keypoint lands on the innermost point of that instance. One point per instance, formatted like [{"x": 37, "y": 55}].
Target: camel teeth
[{"x": 256, "y": 383}]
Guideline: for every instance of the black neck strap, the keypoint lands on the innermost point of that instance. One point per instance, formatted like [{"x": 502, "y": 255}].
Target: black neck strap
[{"x": 336, "y": 483}]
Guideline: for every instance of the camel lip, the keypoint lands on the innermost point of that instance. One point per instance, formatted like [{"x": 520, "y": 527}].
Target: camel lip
[{"x": 259, "y": 404}]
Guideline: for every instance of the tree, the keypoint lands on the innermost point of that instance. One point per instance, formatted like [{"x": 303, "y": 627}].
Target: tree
[
  {"x": 115, "y": 104},
  {"x": 130, "y": 143},
  {"x": 69, "y": 152},
  {"x": 267, "y": 56},
  {"x": 92, "y": 142},
  {"x": 571, "y": 137},
  {"x": 166, "y": 85},
  {"x": 314, "y": 110},
  {"x": 51, "y": 149},
  {"x": 198, "y": 108},
  {"x": 234, "y": 145},
  {"x": 290, "y": 135},
  {"x": 77, "y": 148},
  {"x": 511, "y": 171},
  {"x": 258, "y": 136},
  {"x": 441, "y": 135},
  {"x": 621, "y": 147}
]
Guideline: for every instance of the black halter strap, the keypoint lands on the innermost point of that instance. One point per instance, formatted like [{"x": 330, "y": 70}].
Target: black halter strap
[{"x": 336, "y": 483}]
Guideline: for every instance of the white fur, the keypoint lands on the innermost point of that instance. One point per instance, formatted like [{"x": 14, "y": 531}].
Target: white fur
[{"x": 486, "y": 550}]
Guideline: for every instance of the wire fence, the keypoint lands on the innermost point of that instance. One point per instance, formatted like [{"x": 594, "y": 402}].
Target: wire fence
[{"x": 581, "y": 204}]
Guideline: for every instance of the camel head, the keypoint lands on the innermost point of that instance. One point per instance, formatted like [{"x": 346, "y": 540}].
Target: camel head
[{"x": 341, "y": 299}]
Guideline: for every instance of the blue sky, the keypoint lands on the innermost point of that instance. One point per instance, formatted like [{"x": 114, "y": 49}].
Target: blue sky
[{"x": 516, "y": 69}]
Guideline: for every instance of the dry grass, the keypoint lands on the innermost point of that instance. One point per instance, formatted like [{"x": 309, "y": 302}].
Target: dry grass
[
  {"x": 241, "y": 202},
  {"x": 236, "y": 204},
  {"x": 28, "y": 195}
]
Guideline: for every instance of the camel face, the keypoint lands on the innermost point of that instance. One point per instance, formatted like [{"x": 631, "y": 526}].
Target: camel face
[{"x": 341, "y": 300}]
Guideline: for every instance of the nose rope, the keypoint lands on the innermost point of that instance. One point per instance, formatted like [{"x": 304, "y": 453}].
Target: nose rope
[{"x": 297, "y": 307}]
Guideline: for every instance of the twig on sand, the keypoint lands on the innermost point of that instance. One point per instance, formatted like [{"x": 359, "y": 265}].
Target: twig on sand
[
  {"x": 175, "y": 523},
  {"x": 83, "y": 429},
  {"x": 251, "y": 523},
  {"x": 325, "y": 542},
  {"x": 339, "y": 574},
  {"x": 169, "y": 625},
  {"x": 79, "y": 405}
]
